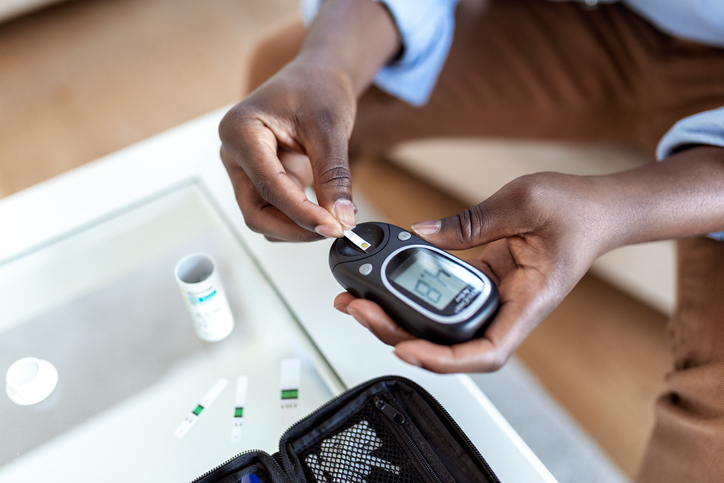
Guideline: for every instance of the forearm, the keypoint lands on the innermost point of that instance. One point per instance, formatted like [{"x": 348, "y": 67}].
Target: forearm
[
  {"x": 354, "y": 38},
  {"x": 679, "y": 197}
]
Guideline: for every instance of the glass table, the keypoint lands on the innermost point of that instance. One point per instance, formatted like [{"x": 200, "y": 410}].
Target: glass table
[
  {"x": 86, "y": 282},
  {"x": 102, "y": 306}
]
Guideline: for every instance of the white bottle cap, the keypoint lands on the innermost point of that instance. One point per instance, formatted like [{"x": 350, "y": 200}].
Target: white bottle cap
[{"x": 30, "y": 380}]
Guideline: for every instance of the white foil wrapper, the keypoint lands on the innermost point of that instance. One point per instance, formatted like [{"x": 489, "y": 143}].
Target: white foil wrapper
[{"x": 204, "y": 296}]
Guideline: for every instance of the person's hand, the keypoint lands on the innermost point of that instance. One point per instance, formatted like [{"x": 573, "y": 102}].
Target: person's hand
[
  {"x": 544, "y": 231},
  {"x": 289, "y": 134},
  {"x": 293, "y": 131}
]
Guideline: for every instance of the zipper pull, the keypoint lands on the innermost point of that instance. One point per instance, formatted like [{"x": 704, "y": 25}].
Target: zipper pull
[{"x": 392, "y": 413}]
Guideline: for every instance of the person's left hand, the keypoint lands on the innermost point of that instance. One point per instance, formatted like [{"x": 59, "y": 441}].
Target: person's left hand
[{"x": 544, "y": 231}]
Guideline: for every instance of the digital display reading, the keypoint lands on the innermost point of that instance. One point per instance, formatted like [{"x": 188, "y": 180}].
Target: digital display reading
[{"x": 431, "y": 277}]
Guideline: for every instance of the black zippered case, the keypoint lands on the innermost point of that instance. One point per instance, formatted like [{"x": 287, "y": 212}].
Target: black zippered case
[{"x": 386, "y": 430}]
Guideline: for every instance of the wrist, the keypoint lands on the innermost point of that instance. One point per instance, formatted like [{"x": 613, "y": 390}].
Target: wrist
[
  {"x": 352, "y": 37},
  {"x": 327, "y": 62},
  {"x": 675, "y": 198},
  {"x": 617, "y": 213},
  {"x": 595, "y": 211}
]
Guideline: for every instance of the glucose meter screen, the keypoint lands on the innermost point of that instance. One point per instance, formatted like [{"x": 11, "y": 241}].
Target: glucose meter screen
[{"x": 431, "y": 277}]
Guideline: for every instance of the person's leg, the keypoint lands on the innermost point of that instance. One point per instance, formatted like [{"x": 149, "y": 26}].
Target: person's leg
[
  {"x": 536, "y": 69},
  {"x": 552, "y": 70},
  {"x": 523, "y": 68},
  {"x": 688, "y": 441},
  {"x": 516, "y": 69}
]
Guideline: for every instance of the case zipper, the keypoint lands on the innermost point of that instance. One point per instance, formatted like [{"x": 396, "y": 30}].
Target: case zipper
[
  {"x": 218, "y": 467},
  {"x": 398, "y": 420}
]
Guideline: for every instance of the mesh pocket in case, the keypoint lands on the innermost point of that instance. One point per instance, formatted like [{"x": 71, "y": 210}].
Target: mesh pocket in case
[{"x": 362, "y": 449}]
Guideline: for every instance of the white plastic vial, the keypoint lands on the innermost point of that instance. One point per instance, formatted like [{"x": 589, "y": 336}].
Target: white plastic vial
[{"x": 204, "y": 296}]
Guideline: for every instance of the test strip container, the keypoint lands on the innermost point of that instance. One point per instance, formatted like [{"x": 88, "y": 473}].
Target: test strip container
[{"x": 206, "y": 302}]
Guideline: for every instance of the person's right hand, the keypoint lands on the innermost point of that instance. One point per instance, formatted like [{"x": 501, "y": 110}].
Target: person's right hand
[{"x": 289, "y": 134}]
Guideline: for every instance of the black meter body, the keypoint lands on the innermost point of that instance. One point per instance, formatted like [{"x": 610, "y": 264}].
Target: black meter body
[{"x": 430, "y": 293}]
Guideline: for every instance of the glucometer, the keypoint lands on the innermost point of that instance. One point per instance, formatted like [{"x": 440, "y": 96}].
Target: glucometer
[{"x": 428, "y": 292}]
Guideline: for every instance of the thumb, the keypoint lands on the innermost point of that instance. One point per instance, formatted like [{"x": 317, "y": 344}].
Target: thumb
[
  {"x": 470, "y": 228},
  {"x": 332, "y": 178}
]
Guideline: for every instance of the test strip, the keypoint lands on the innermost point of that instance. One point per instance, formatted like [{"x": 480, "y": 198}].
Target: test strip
[
  {"x": 358, "y": 241},
  {"x": 203, "y": 404},
  {"x": 239, "y": 403},
  {"x": 291, "y": 369}
]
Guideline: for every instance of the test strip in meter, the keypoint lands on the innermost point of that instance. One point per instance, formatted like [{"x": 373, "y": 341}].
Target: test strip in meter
[
  {"x": 239, "y": 403},
  {"x": 203, "y": 404},
  {"x": 290, "y": 390},
  {"x": 358, "y": 241}
]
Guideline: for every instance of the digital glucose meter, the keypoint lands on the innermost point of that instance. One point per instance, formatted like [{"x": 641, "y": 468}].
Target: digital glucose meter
[{"x": 430, "y": 293}]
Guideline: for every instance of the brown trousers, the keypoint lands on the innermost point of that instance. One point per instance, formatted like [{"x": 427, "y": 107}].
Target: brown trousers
[{"x": 547, "y": 70}]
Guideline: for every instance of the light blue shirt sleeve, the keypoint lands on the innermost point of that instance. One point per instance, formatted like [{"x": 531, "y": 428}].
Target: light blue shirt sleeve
[
  {"x": 718, "y": 236},
  {"x": 697, "y": 20},
  {"x": 704, "y": 128},
  {"x": 426, "y": 28}
]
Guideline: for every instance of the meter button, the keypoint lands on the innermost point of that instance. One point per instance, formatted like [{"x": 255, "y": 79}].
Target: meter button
[
  {"x": 365, "y": 269},
  {"x": 403, "y": 236}
]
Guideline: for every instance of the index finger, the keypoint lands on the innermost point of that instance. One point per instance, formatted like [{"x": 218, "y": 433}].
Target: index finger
[
  {"x": 255, "y": 150},
  {"x": 259, "y": 215}
]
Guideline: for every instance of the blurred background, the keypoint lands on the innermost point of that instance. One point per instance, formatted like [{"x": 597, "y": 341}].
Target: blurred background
[{"x": 80, "y": 79}]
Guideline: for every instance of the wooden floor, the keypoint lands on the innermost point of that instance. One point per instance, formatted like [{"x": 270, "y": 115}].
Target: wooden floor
[{"x": 87, "y": 77}]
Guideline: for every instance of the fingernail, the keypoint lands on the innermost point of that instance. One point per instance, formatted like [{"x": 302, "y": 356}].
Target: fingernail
[
  {"x": 330, "y": 231},
  {"x": 409, "y": 358},
  {"x": 425, "y": 228},
  {"x": 342, "y": 308},
  {"x": 358, "y": 317},
  {"x": 344, "y": 212}
]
